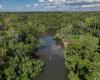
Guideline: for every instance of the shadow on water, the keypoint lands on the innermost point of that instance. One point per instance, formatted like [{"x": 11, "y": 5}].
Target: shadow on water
[{"x": 52, "y": 55}]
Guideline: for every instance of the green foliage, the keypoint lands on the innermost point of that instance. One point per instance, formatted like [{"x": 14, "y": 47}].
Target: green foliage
[
  {"x": 23, "y": 68},
  {"x": 81, "y": 56},
  {"x": 17, "y": 61},
  {"x": 1, "y": 21},
  {"x": 72, "y": 76},
  {"x": 19, "y": 41}
]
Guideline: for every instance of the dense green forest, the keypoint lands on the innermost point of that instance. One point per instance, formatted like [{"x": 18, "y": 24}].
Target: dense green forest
[{"x": 78, "y": 31}]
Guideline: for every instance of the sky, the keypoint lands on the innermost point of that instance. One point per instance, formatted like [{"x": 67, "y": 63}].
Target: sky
[{"x": 49, "y": 5}]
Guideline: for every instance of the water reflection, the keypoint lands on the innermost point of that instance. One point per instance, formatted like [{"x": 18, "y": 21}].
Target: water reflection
[{"x": 52, "y": 55}]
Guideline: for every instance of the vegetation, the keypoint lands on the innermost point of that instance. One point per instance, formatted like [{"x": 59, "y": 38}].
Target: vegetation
[
  {"x": 19, "y": 42},
  {"x": 82, "y": 58},
  {"x": 17, "y": 49}
]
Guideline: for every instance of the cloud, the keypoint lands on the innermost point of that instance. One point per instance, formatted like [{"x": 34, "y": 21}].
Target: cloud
[
  {"x": 36, "y": 4},
  {"x": 57, "y": 2},
  {"x": 65, "y": 4},
  {"x": 87, "y": 6},
  {"x": 28, "y": 5},
  {"x": 41, "y": 0},
  {"x": 50, "y": 0},
  {"x": 1, "y": 6}
]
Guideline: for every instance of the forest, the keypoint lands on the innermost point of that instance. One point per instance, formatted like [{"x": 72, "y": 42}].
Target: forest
[{"x": 79, "y": 33}]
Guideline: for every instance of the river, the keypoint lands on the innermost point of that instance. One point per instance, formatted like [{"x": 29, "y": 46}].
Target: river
[{"x": 52, "y": 55}]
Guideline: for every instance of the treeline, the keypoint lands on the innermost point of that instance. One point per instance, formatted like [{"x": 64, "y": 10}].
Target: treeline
[
  {"x": 82, "y": 58},
  {"x": 18, "y": 43},
  {"x": 80, "y": 22},
  {"x": 81, "y": 38},
  {"x": 18, "y": 47}
]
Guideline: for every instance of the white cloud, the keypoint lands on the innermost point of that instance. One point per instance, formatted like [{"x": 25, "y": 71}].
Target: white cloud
[
  {"x": 87, "y": 6},
  {"x": 36, "y": 4},
  {"x": 86, "y": 0},
  {"x": 1, "y": 6},
  {"x": 41, "y": 0},
  {"x": 65, "y": 4},
  {"x": 28, "y": 5},
  {"x": 50, "y": 0},
  {"x": 57, "y": 2},
  {"x": 97, "y": 5}
]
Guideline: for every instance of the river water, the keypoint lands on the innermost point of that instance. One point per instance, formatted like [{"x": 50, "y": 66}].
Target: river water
[{"x": 52, "y": 55}]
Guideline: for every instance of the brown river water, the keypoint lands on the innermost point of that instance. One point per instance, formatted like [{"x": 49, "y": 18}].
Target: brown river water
[{"x": 52, "y": 56}]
